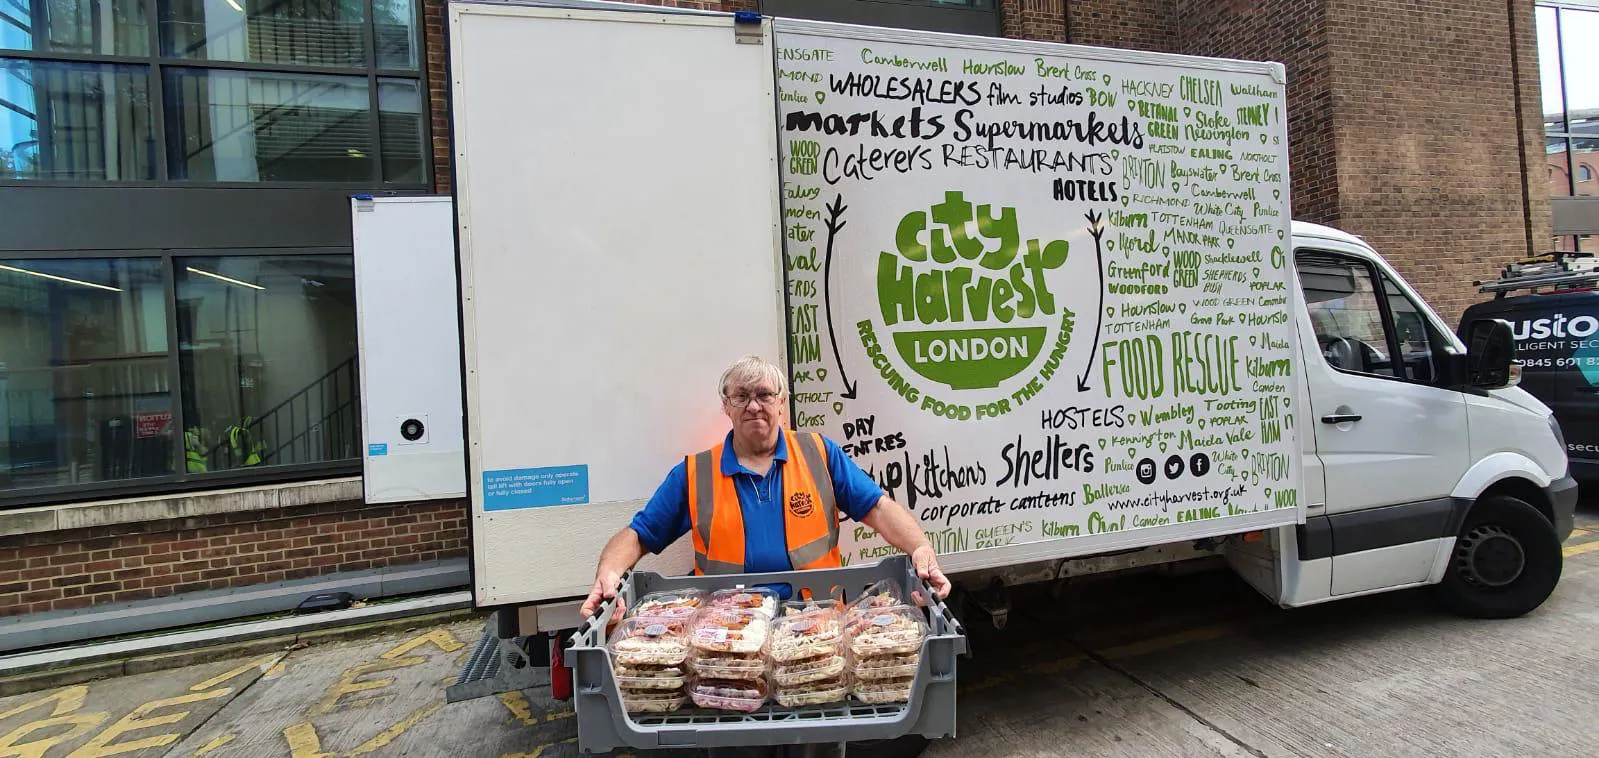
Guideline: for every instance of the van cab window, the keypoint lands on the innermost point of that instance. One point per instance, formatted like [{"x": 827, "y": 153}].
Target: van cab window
[{"x": 1356, "y": 331}]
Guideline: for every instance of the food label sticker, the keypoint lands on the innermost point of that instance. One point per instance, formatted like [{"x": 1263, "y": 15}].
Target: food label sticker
[
  {"x": 883, "y": 620},
  {"x": 655, "y": 630}
]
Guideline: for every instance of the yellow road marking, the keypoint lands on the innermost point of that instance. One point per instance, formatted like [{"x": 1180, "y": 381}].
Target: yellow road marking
[
  {"x": 303, "y": 742},
  {"x": 213, "y": 745},
  {"x": 136, "y": 719},
  {"x": 518, "y": 705},
  {"x": 389, "y": 735},
  {"x": 396, "y": 658},
  {"x": 81, "y": 723},
  {"x": 1586, "y": 547},
  {"x": 67, "y": 700},
  {"x": 538, "y": 750},
  {"x": 276, "y": 670},
  {"x": 265, "y": 664},
  {"x": 441, "y": 638}
]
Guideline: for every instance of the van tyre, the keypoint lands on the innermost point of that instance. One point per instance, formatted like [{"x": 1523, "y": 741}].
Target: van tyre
[{"x": 1506, "y": 561}]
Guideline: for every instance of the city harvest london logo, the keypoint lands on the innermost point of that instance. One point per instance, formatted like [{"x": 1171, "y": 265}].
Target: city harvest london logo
[
  {"x": 966, "y": 300},
  {"x": 800, "y": 504}
]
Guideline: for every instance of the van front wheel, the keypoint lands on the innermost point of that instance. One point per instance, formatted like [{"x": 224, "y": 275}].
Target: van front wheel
[{"x": 1506, "y": 561}]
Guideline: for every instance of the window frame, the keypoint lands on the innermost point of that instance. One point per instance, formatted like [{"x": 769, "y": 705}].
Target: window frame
[
  {"x": 1437, "y": 342},
  {"x": 181, "y": 480},
  {"x": 156, "y": 62}
]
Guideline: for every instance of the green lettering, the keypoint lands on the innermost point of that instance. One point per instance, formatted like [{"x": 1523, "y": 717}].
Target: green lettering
[
  {"x": 896, "y": 292},
  {"x": 930, "y": 305},
  {"x": 1002, "y": 295},
  {"x": 907, "y": 236},
  {"x": 957, "y": 278},
  {"x": 1004, "y": 230},
  {"x": 955, "y": 212},
  {"x": 1027, "y": 303}
]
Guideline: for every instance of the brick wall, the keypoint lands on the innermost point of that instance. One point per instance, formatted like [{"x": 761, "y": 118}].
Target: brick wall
[
  {"x": 1429, "y": 160},
  {"x": 1294, "y": 33},
  {"x": 1538, "y": 213},
  {"x": 1127, "y": 24},
  {"x": 434, "y": 41},
  {"x": 1043, "y": 20},
  {"x": 83, "y": 567}
]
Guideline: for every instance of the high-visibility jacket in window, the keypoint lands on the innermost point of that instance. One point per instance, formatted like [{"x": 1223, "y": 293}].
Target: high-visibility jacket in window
[{"x": 810, "y": 515}]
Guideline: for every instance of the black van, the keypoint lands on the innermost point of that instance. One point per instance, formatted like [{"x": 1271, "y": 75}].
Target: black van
[{"x": 1552, "y": 305}]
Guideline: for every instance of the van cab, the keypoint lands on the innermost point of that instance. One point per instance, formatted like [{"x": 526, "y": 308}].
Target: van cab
[{"x": 1424, "y": 463}]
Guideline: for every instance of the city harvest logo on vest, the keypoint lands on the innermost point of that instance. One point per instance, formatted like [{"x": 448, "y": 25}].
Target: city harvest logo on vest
[
  {"x": 800, "y": 504},
  {"x": 1557, "y": 325},
  {"x": 965, "y": 271}
]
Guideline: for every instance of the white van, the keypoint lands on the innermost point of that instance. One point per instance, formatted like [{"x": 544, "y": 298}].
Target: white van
[{"x": 1437, "y": 471}]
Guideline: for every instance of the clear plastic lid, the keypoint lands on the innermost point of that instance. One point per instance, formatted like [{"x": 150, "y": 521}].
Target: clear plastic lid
[
  {"x": 649, "y": 641},
  {"x": 653, "y": 702},
  {"x": 890, "y": 666},
  {"x": 884, "y": 594},
  {"x": 810, "y": 670},
  {"x": 763, "y": 599},
  {"x": 806, "y": 634},
  {"x": 729, "y": 695},
  {"x": 814, "y": 693},
  {"x": 682, "y": 604},
  {"x": 885, "y": 631},
  {"x": 719, "y": 666},
  {"x": 878, "y": 691},
  {"x": 730, "y": 630},
  {"x": 808, "y": 600},
  {"x": 671, "y": 678}
]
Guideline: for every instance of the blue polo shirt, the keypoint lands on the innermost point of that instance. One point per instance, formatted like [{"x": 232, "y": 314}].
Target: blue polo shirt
[{"x": 665, "y": 517}]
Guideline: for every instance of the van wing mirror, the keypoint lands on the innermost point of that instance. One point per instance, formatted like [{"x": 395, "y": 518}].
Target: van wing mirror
[{"x": 1491, "y": 354}]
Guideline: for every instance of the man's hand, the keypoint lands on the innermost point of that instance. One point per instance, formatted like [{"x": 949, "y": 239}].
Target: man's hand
[
  {"x": 926, "y": 563},
  {"x": 604, "y": 589}
]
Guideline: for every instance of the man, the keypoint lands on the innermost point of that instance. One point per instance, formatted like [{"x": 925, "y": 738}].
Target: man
[{"x": 765, "y": 499}]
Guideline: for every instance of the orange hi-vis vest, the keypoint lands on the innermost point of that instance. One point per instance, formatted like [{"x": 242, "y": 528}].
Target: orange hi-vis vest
[{"x": 810, "y": 515}]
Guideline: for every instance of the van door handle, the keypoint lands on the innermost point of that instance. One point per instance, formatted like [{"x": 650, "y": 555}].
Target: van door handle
[{"x": 1340, "y": 418}]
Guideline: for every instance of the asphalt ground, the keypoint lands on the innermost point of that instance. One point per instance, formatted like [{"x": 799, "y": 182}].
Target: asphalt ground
[{"x": 1193, "y": 665}]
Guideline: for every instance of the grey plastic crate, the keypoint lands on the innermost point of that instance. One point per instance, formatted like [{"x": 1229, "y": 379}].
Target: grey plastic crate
[{"x": 603, "y": 725}]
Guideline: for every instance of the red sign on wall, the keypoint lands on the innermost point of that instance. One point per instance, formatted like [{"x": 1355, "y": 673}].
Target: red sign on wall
[{"x": 147, "y": 425}]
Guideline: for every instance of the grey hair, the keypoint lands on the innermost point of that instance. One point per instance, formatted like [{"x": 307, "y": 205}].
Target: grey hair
[{"x": 752, "y": 368}]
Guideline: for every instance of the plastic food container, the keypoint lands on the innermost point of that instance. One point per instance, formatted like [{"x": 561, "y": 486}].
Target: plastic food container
[
  {"x": 649, "y": 642},
  {"x": 891, "y": 666},
  {"x": 762, "y": 599},
  {"x": 880, "y": 691},
  {"x": 738, "y": 631},
  {"x": 805, "y": 671},
  {"x": 820, "y": 692},
  {"x": 807, "y": 634},
  {"x": 650, "y": 677},
  {"x": 886, "y": 631},
  {"x": 885, "y": 593},
  {"x": 729, "y": 695},
  {"x": 720, "y": 666},
  {"x": 653, "y": 701},
  {"x": 678, "y": 604},
  {"x": 834, "y": 599}
]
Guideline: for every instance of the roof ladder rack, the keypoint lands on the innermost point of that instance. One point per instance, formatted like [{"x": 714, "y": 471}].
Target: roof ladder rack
[{"x": 1558, "y": 270}]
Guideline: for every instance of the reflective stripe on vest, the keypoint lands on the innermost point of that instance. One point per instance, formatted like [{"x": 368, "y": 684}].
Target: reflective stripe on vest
[{"x": 810, "y": 513}]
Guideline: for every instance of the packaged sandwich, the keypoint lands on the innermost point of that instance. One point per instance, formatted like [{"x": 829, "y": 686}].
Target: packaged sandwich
[
  {"x": 728, "y": 666},
  {"x": 674, "y": 604},
  {"x": 653, "y": 701},
  {"x": 807, "y": 634},
  {"x": 649, "y": 642},
  {"x": 650, "y": 677},
  {"x": 729, "y": 695},
  {"x": 809, "y": 601},
  {"x": 819, "y": 692},
  {"x": 885, "y": 631},
  {"x": 879, "y": 691},
  {"x": 828, "y": 665},
  {"x": 762, "y": 599},
  {"x": 889, "y": 666},
  {"x": 883, "y": 594},
  {"x": 738, "y": 631}
]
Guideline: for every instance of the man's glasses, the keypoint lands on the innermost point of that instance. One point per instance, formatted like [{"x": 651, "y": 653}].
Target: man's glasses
[{"x": 742, "y": 399}]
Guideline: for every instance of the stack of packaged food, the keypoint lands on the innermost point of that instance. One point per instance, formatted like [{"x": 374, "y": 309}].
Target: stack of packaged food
[
  {"x": 728, "y": 657},
  {"x": 649, "y": 657},
  {"x": 886, "y": 638},
  {"x": 674, "y": 604},
  {"x": 809, "y": 656},
  {"x": 763, "y": 599}
]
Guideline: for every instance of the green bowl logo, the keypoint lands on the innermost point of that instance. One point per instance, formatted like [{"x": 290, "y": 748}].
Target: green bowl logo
[{"x": 975, "y": 308}]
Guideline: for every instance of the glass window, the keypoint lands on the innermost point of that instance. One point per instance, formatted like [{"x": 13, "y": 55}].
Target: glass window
[
  {"x": 85, "y": 385},
  {"x": 1584, "y": 154},
  {"x": 303, "y": 32},
  {"x": 1416, "y": 341},
  {"x": 1554, "y": 104},
  {"x": 105, "y": 27},
  {"x": 1558, "y": 151},
  {"x": 394, "y": 28},
  {"x": 400, "y": 112},
  {"x": 1580, "y": 59},
  {"x": 78, "y": 121},
  {"x": 237, "y": 126},
  {"x": 1345, "y": 313},
  {"x": 267, "y": 349}
]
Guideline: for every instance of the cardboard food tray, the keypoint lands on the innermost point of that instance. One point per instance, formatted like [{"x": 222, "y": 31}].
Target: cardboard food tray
[{"x": 604, "y": 725}]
